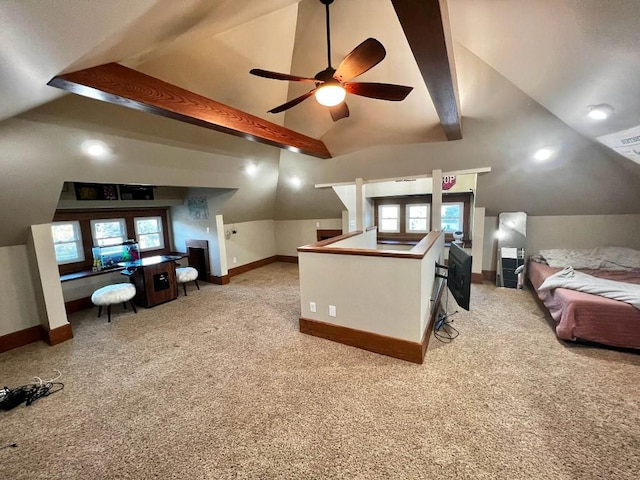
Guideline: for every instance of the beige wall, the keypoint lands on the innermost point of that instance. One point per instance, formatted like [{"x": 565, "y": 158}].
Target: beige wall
[
  {"x": 564, "y": 231},
  {"x": 45, "y": 271},
  {"x": 18, "y": 304},
  {"x": 291, "y": 234},
  {"x": 252, "y": 241}
]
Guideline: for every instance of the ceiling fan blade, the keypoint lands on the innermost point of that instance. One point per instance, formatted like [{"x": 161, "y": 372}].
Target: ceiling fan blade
[
  {"x": 339, "y": 111},
  {"x": 292, "y": 103},
  {"x": 366, "y": 55},
  {"x": 382, "y": 91},
  {"x": 280, "y": 76}
]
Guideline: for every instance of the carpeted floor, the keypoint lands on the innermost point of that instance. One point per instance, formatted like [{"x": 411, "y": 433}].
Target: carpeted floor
[{"x": 221, "y": 384}]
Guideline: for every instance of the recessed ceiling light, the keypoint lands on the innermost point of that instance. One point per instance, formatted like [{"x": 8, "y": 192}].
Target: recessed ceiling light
[
  {"x": 542, "y": 154},
  {"x": 600, "y": 112},
  {"x": 251, "y": 169},
  {"x": 95, "y": 148}
]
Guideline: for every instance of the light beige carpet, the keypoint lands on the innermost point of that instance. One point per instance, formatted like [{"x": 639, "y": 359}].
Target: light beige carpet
[{"x": 220, "y": 384}]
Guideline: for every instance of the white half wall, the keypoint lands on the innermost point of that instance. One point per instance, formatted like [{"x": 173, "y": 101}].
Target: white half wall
[{"x": 388, "y": 296}]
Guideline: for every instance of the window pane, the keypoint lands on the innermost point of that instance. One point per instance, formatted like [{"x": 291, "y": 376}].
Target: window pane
[
  {"x": 67, "y": 242},
  {"x": 66, "y": 252},
  {"x": 149, "y": 233},
  {"x": 452, "y": 217},
  {"x": 418, "y": 211},
  {"x": 389, "y": 224},
  {"x": 417, "y": 224},
  {"x": 389, "y": 211},
  {"x": 108, "y": 229},
  {"x": 147, "y": 225},
  {"x": 63, "y": 232},
  {"x": 417, "y": 218},
  {"x": 454, "y": 211},
  {"x": 150, "y": 241}
]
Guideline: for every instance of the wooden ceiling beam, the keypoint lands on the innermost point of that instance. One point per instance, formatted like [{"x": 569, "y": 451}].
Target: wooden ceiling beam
[
  {"x": 426, "y": 26},
  {"x": 121, "y": 85}
]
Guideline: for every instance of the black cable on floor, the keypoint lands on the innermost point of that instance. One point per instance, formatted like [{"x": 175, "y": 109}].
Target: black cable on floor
[{"x": 27, "y": 394}]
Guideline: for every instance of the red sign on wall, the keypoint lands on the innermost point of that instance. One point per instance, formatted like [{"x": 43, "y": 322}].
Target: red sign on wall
[{"x": 448, "y": 181}]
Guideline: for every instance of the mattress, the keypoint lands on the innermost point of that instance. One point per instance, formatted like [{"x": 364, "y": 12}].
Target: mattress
[{"x": 583, "y": 316}]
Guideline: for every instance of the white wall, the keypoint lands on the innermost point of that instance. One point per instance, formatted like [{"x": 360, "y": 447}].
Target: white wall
[
  {"x": 252, "y": 241},
  {"x": 18, "y": 304},
  {"x": 291, "y": 234}
]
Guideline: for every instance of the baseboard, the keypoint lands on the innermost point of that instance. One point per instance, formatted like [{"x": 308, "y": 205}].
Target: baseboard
[
  {"x": 477, "y": 278},
  {"x": 223, "y": 280},
  {"x": 57, "y": 335},
  {"x": 489, "y": 275},
  {"x": 73, "y": 306},
  {"x": 20, "y": 338},
  {"x": 34, "y": 334},
  {"x": 287, "y": 258},
  {"x": 373, "y": 342},
  {"x": 251, "y": 266}
]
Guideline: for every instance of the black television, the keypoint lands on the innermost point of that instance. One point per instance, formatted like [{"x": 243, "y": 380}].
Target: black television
[{"x": 459, "y": 275}]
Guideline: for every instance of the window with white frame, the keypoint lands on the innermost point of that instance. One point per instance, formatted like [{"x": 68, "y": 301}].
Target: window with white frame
[
  {"x": 417, "y": 217},
  {"x": 389, "y": 218},
  {"x": 111, "y": 231},
  {"x": 149, "y": 233},
  {"x": 452, "y": 217},
  {"x": 67, "y": 242}
]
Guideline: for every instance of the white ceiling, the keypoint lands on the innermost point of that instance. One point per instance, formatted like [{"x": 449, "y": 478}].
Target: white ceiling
[{"x": 564, "y": 54}]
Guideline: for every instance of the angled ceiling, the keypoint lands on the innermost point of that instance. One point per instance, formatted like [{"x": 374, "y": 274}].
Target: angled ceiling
[
  {"x": 526, "y": 73},
  {"x": 563, "y": 54}
]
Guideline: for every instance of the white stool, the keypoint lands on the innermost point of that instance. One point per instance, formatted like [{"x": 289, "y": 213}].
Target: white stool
[
  {"x": 116, "y": 293},
  {"x": 187, "y": 274}
]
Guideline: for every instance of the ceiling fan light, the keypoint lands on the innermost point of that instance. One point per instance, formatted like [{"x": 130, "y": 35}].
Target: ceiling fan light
[{"x": 330, "y": 95}]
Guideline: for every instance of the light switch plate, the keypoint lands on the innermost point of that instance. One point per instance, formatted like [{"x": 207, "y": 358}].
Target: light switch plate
[
  {"x": 332, "y": 310},
  {"x": 312, "y": 307}
]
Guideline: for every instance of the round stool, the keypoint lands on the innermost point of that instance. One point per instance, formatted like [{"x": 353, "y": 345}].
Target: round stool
[
  {"x": 185, "y": 275},
  {"x": 116, "y": 293}
]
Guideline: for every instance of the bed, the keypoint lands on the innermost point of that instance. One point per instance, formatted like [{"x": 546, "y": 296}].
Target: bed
[{"x": 586, "y": 316}]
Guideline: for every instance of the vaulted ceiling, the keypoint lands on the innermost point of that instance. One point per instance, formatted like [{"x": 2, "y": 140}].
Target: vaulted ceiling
[
  {"x": 565, "y": 55},
  {"x": 526, "y": 73}
]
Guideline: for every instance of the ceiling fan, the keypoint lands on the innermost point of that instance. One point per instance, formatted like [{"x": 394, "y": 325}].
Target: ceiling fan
[{"x": 332, "y": 85}]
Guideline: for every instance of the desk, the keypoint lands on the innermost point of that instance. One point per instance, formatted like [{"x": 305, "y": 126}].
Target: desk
[{"x": 154, "y": 279}]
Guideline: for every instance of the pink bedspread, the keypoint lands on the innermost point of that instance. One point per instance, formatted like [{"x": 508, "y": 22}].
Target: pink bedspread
[{"x": 590, "y": 317}]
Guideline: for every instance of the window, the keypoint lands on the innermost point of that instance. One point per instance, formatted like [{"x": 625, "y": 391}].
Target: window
[
  {"x": 452, "y": 217},
  {"x": 67, "y": 242},
  {"x": 417, "y": 217},
  {"x": 107, "y": 232},
  {"x": 149, "y": 233},
  {"x": 111, "y": 227},
  {"x": 408, "y": 218},
  {"x": 389, "y": 218}
]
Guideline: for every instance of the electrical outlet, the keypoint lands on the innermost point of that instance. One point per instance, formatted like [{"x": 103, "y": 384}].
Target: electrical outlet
[
  {"x": 317, "y": 224},
  {"x": 312, "y": 307},
  {"x": 332, "y": 310},
  {"x": 235, "y": 260}
]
